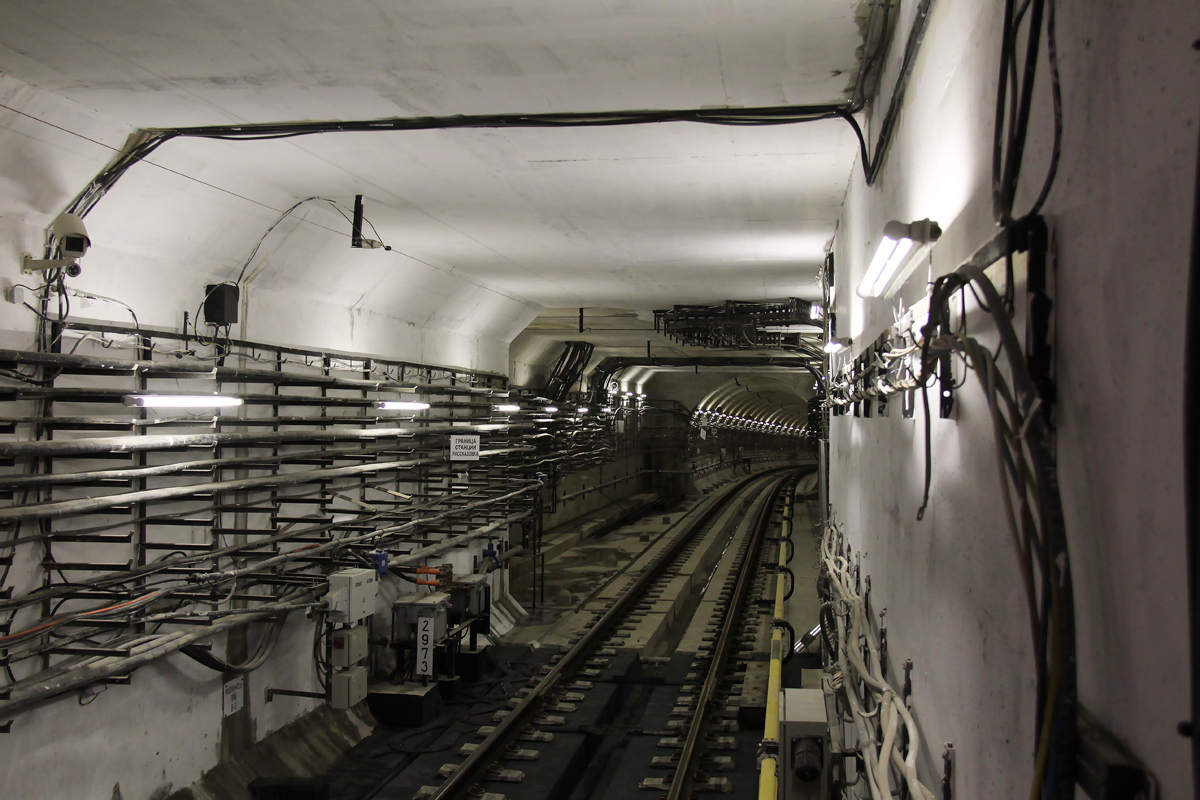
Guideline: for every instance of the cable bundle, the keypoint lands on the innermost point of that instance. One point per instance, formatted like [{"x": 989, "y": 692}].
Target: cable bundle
[
  {"x": 1032, "y": 506},
  {"x": 858, "y": 680}
]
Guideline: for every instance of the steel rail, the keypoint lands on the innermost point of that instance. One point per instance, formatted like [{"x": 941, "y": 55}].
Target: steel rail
[
  {"x": 681, "y": 783},
  {"x": 471, "y": 770}
]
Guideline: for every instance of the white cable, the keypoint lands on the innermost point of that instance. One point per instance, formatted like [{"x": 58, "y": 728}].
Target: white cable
[{"x": 856, "y": 672}]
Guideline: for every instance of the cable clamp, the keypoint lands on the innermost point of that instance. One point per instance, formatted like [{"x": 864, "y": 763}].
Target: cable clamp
[{"x": 767, "y": 748}]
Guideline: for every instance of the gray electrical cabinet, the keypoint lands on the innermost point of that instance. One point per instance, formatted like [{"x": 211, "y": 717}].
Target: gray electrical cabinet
[{"x": 804, "y": 751}]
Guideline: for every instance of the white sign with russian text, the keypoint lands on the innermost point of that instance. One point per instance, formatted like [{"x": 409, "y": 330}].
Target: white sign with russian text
[{"x": 464, "y": 447}]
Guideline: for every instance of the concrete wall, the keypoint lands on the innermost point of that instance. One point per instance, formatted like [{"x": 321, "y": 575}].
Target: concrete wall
[
  {"x": 1121, "y": 214},
  {"x": 158, "y": 238},
  {"x": 186, "y": 217}
]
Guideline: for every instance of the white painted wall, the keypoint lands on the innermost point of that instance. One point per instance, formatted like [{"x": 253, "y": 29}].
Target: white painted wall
[
  {"x": 190, "y": 216},
  {"x": 1121, "y": 211}
]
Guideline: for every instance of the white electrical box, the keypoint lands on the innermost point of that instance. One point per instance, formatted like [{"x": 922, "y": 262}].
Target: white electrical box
[
  {"x": 804, "y": 750},
  {"x": 352, "y": 594},
  {"x": 349, "y": 687},
  {"x": 476, "y": 594},
  {"x": 349, "y": 646}
]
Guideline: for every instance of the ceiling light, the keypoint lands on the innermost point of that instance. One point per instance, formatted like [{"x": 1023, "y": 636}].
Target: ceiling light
[
  {"x": 401, "y": 405},
  {"x": 629, "y": 394},
  {"x": 607, "y": 409},
  {"x": 896, "y": 256},
  {"x": 181, "y": 400},
  {"x": 508, "y": 409},
  {"x": 550, "y": 409},
  {"x": 582, "y": 410}
]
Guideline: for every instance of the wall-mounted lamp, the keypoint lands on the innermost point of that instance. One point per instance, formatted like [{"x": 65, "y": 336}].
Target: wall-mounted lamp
[
  {"x": 836, "y": 345},
  {"x": 897, "y": 255},
  {"x": 401, "y": 405},
  {"x": 181, "y": 401}
]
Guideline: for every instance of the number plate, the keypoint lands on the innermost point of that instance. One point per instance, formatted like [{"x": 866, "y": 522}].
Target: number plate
[{"x": 424, "y": 646}]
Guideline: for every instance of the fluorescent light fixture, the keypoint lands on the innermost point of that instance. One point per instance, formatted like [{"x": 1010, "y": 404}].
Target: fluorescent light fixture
[
  {"x": 508, "y": 409},
  {"x": 836, "y": 345},
  {"x": 181, "y": 400},
  {"x": 582, "y": 410},
  {"x": 798, "y": 328},
  {"x": 643, "y": 394},
  {"x": 629, "y": 394},
  {"x": 896, "y": 256},
  {"x": 550, "y": 409},
  {"x": 607, "y": 409},
  {"x": 816, "y": 312},
  {"x": 401, "y": 405}
]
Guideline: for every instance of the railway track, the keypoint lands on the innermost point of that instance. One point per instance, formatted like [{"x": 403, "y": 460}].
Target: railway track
[{"x": 657, "y": 691}]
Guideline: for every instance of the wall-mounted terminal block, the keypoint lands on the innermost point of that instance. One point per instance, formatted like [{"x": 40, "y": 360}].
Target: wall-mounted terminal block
[
  {"x": 349, "y": 646},
  {"x": 348, "y": 687},
  {"x": 352, "y": 595}
]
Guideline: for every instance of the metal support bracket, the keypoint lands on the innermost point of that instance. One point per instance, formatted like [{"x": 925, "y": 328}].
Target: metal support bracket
[{"x": 273, "y": 693}]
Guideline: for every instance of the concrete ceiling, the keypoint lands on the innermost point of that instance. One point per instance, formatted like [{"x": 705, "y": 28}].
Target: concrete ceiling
[{"x": 633, "y": 218}]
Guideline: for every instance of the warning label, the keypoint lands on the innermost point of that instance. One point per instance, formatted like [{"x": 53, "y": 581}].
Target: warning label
[{"x": 464, "y": 447}]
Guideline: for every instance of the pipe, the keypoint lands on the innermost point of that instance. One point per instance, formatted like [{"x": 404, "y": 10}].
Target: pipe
[
  {"x": 58, "y": 590},
  {"x": 60, "y": 478},
  {"x": 26, "y": 694},
  {"x": 228, "y": 374},
  {"x": 130, "y": 444},
  {"x": 68, "y": 508},
  {"x": 375, "y": 537}
]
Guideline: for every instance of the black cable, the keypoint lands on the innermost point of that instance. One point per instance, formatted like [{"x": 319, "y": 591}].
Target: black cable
[
  {"x": 791, "y": 648},
  {"x": 262, "y": 651},
  {"x": 1017, "y": 133},
  {"x": 828, "y": 624},
  {"x": 1056, "y": 96},
  {"x": 1191, "y": 446},
  {"x": 791, "y": 583}
]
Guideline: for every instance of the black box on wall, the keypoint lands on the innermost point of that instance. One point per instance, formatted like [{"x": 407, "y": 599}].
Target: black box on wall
[{"x": 221, "y": 304}]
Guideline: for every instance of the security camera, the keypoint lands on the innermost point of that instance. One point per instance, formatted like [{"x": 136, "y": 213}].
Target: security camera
[
  {"x": 72, "y": 236},
  {"x": 72, "y": 242}
]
